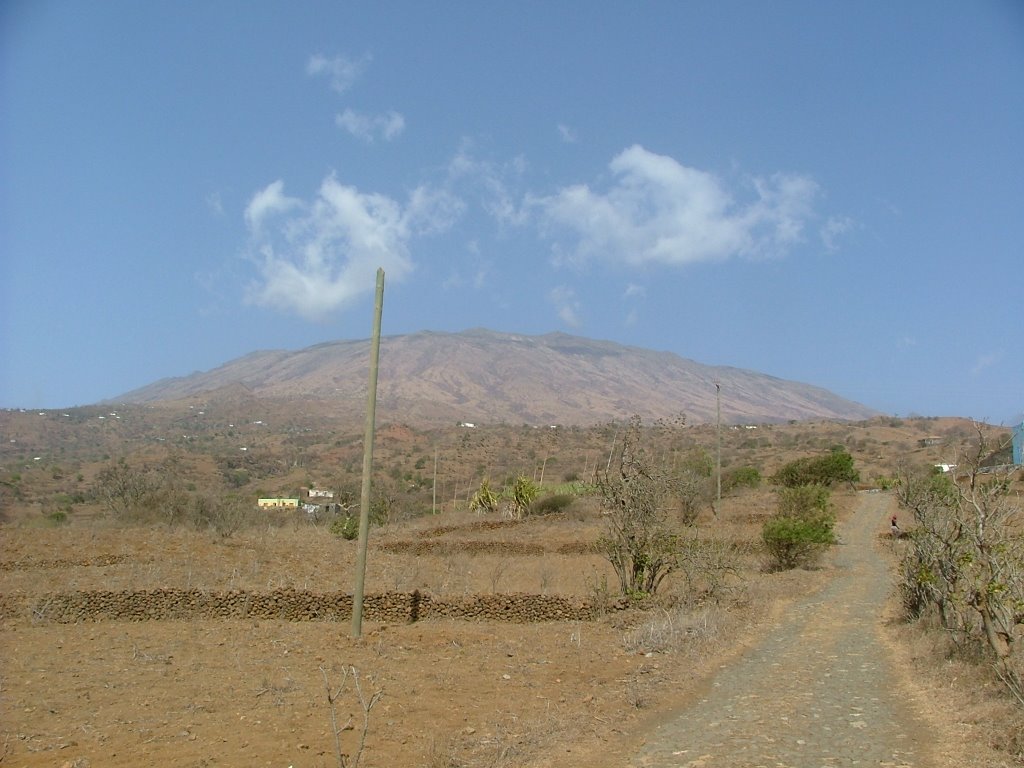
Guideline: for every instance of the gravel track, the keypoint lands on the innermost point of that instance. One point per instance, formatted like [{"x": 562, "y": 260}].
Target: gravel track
[{"x": 818, "y": 691}]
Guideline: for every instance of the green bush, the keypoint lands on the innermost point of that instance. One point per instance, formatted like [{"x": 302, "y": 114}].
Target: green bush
[
  {"x": 806, "y": 502},
  {"x": 521, "y": 495},
  {"x": 835, "y": 467},
  {"x": 550, "y": 505},
  {"x": 793, "y": 542},
  {"x": 346, "y": 527},
  {"x": 741, "y": 477}
]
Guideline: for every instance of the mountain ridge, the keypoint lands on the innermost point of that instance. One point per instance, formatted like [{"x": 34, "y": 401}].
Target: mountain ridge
[{"x": 488, "y": 376}]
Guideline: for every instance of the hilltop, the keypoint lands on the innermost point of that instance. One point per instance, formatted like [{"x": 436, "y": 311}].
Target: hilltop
[{"x": 482, "y": 376}]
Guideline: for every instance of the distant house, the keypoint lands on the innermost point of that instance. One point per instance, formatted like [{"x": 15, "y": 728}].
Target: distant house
[
  {"x": 319, "y": 493},
  {"x": 924, "y": 442},
  {"x": 1018, "y": 444},
  {"x": 277, "y": 503}
]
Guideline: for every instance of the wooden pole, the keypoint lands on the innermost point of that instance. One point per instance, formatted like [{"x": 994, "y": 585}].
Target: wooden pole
[
  {"x": 433, "y": 504},
  {"x": 718, "y": 425},
  {"x": 364, "y": 497}
]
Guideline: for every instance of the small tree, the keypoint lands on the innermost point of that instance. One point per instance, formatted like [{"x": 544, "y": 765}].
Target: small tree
[
  {"x": 640, "y": 540},
  {"x": 123, "y": 490}
]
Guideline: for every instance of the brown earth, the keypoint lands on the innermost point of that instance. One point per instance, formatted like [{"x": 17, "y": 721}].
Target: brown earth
[{"x": 454, "y": 693}]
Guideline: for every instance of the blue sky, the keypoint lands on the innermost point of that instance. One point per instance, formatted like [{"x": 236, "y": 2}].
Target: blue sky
[{"x": 822, "y": 191}]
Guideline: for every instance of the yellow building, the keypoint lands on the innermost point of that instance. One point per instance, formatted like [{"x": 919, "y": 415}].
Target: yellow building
[{"x": 277, "y": 503}]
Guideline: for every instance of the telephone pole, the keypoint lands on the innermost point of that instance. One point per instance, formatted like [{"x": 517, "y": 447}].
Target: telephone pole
[
  {"x": 364, "y": 498},
  {"x": 718, "y": 425}
]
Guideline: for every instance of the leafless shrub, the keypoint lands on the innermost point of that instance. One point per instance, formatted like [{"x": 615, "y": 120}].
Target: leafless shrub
[
  {"x": 640, "y": 539},
  {"x": 638, "y": 688},
  {"x": 669, "y": 631},
  {"x": 365, "y": 704},
  {"x": 497, "y": 573}
]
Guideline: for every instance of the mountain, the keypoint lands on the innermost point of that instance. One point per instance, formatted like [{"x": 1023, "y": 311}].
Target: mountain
[{"x": 482, "y": 376}]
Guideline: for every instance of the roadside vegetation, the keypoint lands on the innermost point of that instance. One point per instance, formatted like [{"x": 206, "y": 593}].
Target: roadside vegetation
[{"x": 961, "y": 563}]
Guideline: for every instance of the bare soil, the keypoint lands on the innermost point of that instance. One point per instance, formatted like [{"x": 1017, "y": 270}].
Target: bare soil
[{"x": 454, "y": 693}]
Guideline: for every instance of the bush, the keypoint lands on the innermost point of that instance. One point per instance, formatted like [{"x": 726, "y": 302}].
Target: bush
[
  {"x": 836, "y": 467},
  {"x": 346, "y": 527},
  {"x": 741, "y": 477},
  {"x": 551, "y": 505},
  {"x": 793, "y": 542},
  {"x": 805, "y": 502}
]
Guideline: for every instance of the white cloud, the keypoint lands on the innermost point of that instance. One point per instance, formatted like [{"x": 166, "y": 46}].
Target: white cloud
[
  {"x": 325, "y": 253},
  {"x": 341, "y": 70},
  {"x": 568, "y": 134},
  {"x": 492, "y": 181},
  {"x": 634, "y": 291},
  {"x": 566, "y": 304},
  {"x": 266, "y": 202},
  {"x": 368, "y": 127},
  {"x": 657, "y": 210},
  {"x": 834, "y": 228}
]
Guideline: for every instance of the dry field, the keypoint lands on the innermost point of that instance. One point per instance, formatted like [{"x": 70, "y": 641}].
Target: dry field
[{"x": 454, "y": 693}]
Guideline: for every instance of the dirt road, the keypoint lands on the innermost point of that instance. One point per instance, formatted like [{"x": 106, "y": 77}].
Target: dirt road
[{"x": 818, "y": 691}]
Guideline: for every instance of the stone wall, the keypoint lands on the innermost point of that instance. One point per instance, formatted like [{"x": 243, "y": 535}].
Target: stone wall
[{"x": 286, "y": 605}]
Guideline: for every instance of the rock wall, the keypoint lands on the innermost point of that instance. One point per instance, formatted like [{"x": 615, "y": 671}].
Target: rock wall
[{"x": 286, "y": 605}]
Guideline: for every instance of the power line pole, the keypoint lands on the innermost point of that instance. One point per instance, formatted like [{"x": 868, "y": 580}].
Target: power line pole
[
  {"x": 718, "y": 423},
  {"x": 364, "y": 498},
  {"x": 433, "y": 504}
]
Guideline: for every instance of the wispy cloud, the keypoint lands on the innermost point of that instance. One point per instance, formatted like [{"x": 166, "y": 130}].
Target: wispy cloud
[
  {"x": 833, "y": 229},
  {"x": 321, "y": 255},
  {"x": 566, "y": 304},
  {"x": 369, "y": 127},
  {"x": 568, "y": 134},
  {"x": 341, "y": 71},
  {"x": 215, "y": 203},
  {"x": 983, "y": 362},
  {"x": 657, "y": 210},
  {"x": 493, "y": 184},
  {"x": 634, "y": 291}
]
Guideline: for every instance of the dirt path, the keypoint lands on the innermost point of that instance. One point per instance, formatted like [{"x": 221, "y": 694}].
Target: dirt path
[{"x": 818, "y": 691}]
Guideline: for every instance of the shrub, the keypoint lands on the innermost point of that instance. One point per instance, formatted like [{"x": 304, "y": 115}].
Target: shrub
[
  {"x": 551, "y": 505},
  {"x": 835, "y": 467},
  {"x": 347, "y": 527},
  {"x": 805, "y": 502},
  {"x": 793, "y": 542},
  {"x": 484, "y": 500},
  {"x": 521, "y": 495},
  {"x": 741, "y": 477}
]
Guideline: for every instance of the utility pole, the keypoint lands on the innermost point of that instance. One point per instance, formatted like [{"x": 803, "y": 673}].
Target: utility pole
[
  {"x": 718, "y": 423},
  {"x": 364, "y": 498},
  {"x": 433, "y": 504}
]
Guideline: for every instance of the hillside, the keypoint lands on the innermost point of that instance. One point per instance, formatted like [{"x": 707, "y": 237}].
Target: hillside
[{"x": 482, "y": 376}]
